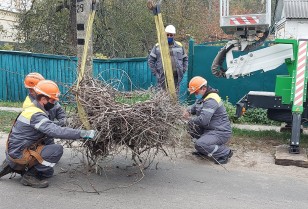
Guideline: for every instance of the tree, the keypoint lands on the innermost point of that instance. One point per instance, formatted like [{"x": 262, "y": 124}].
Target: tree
[
  {"x": 71, "y": 6},
  {"x": 122, "y": 28},
  {"x": 41, "y": 29}
]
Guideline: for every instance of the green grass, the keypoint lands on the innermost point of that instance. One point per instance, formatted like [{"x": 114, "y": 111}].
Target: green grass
[
  {"x": 259, "y": 134},
  {"x": 10, "y": 104},
  {"x": 132, "y": 99},
  {"x": 6, "y": 120},
  {"x": 251, "y": 116},
  {"x": 283, "y": 137}
]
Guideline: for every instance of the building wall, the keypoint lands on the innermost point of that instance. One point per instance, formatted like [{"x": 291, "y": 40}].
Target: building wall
[
  {"x": 7, "y": 21},
  {"x": 292, "y": 29}
]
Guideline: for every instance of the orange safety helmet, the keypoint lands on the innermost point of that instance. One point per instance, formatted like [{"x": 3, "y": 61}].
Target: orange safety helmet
[
  {"x": 32, "y": 79},
  {"x": 48, "y": 88},
  {"x": 196, "y": 83}
]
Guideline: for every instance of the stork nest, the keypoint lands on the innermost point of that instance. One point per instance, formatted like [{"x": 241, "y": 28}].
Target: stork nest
[{"x": 143, "y": 122}]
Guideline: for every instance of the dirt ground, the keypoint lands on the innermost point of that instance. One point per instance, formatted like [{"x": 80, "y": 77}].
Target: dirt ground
[{"x": 254, "y": 155}]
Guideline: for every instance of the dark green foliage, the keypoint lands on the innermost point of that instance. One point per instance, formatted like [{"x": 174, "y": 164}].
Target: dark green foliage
[
  {"x": 45, "y": 30},
  {"x": 257, "y": 116},
  {"x": 231, "y": 110},
  {"x": 122, "y": 28},
  {"x": 251, "y": 116}
]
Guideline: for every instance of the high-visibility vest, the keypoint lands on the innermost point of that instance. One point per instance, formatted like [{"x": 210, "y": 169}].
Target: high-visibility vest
[
  {"x": 214, "y": 96},
  {"x": 32, "y": 155},
  {"x": 27, "y": 103}
]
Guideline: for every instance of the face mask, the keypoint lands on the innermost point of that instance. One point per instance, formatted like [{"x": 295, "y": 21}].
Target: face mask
[
  {"x": 170, "y": 40},
  {"x": 198, "y": 96},
  {"x": 48, "y": 106}
]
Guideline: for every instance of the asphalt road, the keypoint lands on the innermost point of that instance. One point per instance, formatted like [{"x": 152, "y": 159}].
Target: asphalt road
[{"x": 184, "y": 182}]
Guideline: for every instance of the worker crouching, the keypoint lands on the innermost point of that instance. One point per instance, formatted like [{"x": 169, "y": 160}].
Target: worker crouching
[
  {"x": 28, "y": 151},
  {"x": 211, "y": 126},
  {"x": 56, "y": 114}
]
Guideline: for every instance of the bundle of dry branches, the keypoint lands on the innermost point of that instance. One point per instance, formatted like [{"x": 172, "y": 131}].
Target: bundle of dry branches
[{"x": 146, "y": 122}]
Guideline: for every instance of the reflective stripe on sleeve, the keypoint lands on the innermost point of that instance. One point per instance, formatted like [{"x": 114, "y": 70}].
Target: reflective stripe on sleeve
[
  {"x": 48, "y": 164},
  {"x": 153, "y": 55},
  {"x": 215, "y": 149},
  {"x": 208, "y": 110},
  {"x": 37, "y": 126},
  {"x": 23, "y": 120}
]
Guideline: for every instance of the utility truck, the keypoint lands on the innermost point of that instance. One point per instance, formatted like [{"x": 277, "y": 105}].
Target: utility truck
[{"x": 289, "y": 25}]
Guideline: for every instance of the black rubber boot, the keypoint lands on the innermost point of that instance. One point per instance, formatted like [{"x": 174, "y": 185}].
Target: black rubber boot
[
  {"x": 5, "y": 169},
  {"x": 30, "y": 179},
  {"x": 224, "y": 159},
  {"x": 230, "y": 154}
]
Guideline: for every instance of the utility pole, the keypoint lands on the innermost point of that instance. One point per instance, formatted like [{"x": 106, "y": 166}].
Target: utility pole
[{"x": 85, "y": 10}]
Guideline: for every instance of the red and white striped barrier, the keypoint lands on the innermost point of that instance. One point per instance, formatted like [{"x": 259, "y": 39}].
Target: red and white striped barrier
[
  {"x": 300, "y": 73},
  {"x": 244, "y": 20}
]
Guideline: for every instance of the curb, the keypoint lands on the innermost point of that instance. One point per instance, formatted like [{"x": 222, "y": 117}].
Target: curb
[{"x": 11, "y": 109}]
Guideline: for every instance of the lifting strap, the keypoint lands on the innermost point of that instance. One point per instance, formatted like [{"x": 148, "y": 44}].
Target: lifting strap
[{"x": 29, "y": 157}]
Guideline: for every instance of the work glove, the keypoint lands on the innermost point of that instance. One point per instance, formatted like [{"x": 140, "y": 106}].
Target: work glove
[{"x": 87, "y": 134}]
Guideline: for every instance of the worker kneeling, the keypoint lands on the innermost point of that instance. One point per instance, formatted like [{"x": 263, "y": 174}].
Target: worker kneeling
[
  {"x": 211, "y": 126},
  {"x": 27, "y": 152}
]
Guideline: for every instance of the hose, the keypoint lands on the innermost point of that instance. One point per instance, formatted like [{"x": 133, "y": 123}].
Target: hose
[
  {"x": 257, "y": 43},
  {"x": 217, "y": 68}
]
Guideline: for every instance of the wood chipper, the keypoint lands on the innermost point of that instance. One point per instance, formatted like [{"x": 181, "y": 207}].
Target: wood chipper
[{"x": 290, "y": 25}]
